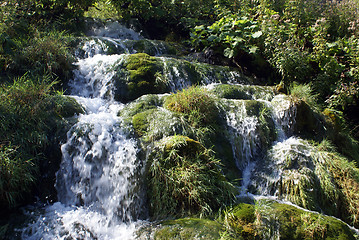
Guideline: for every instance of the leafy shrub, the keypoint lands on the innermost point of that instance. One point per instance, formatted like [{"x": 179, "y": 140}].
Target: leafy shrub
[
  {"x": 185, "y": 179},
  {"x": 345, "y": 95},
  {"x": 233, "y": 33}
]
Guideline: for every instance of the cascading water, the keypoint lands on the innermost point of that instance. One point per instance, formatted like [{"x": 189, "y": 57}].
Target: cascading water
[
  {"x": 98, "y": 184},
  {"x": 244, "y": 140}
]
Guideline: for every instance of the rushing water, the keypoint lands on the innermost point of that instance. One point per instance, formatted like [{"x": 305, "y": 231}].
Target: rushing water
[{"x": 98, "y": 184}]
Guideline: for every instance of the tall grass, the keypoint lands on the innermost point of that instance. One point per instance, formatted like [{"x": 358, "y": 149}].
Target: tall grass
[
  {"x": 185, "y": 179},
  {"x": 196, "y": 103},
  {"x": 31, "y": 116}
]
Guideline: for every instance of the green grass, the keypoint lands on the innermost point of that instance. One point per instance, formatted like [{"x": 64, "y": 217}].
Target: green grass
[
  {"x": 31, "y": 119},
  {"x": 184, "y": 179},
  {"x": 196, "y": 103}
]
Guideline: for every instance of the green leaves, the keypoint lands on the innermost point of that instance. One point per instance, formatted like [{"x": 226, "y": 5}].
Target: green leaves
[
  {"x": 228, "y": 53},
  {"x": 233, "y": 33},
  {"x": 257, "y": 34}
]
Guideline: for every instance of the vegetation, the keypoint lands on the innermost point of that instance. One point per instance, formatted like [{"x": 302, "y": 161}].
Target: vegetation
[
  {"x": 309, "y": 47},
  {"x": 197, "y": 105},
  {"x": 184, "y": 179},
  {"x": 31, "y": 120}
]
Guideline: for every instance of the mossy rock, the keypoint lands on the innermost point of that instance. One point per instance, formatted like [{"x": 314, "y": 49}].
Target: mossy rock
[
  {"x": 288, "y": 222},
  {"x": 152, "y": 47},
  {"x": 223, "y": 150},
  {"x": 182, "y": 229},
  {"x": 66, "y": 106},
  {"x": 308, "y": 123},
  {"x": 143, "y": 103},
  {"x": 140, "y": 122},
  {"x": 140, "y": 77},
  {"x": 240, "y": 219},
  {"x": 245, "y": 92}
]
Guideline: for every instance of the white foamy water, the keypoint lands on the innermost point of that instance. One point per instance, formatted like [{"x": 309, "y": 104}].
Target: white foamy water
[
  {"x": 244, "y": 140},
  {"x": 98, "y": 188}
]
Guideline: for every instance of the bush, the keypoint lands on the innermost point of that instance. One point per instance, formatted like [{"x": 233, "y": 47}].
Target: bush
[
  {"x": 45, "y": 53},
  {"x": 17, "y": 174}
]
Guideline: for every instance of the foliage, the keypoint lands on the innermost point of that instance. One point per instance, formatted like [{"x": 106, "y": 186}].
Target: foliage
[
  {"x": 346, "y": 94},
  {"x": 167, "y": 9},
  {"x": 234, "y": 34},
  {"x": 45, "y": 53},
  {"x": 30, "y": 119},
  {"x": 196, "y": 103},
  {"x": 185, "y": 179},
  {"x": 304, "y": 92},
  {"x": 17, "y": 174},
  {"x": 102, "y": 9}
]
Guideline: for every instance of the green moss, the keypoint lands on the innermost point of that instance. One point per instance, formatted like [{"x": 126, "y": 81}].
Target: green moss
[
  {"x": 188, "y": 228},
  {"x": 308, "y": 123},
  {"x": 239, "y": 221},
  {"x": 140, "y": 122},
  {"x": 245, "y": 92},
  {"x": 152, "y": 47},
  {"x": 141, "y": 104},
  {"x": 223, "y": 150},
  {"x": 139, "y": 78},
  {"x": 290, "y": 222}
]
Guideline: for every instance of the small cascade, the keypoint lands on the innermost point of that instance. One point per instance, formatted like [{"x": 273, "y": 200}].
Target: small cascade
[
  {"x": 244, "y": 140},
  {"x": 94, "y": 76},
  {"x": 284, "y": 115}
]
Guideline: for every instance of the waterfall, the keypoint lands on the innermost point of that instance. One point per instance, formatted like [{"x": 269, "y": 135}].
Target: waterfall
[
  {"x": 99, "y": 191},
  {"x": 244, "y": 140}
]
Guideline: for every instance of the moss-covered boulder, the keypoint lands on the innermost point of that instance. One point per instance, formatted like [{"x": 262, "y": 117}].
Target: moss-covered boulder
[
  {"x": 239, "y": 222},
  {"x": 182, "y": 229},
  {"x": 312, "y": 176},
  {"x": 245, "y": 92},
  {"x": 140, "y": 77},
  {"x": 284, "y": 221},
  {"x": 309, "y": 124}
]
